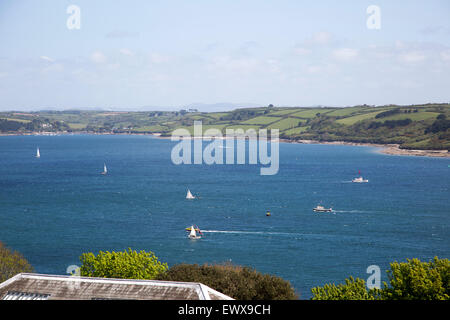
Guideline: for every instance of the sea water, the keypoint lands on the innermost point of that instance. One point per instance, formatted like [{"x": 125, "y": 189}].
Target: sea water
[{"x": 58, "y": 206}]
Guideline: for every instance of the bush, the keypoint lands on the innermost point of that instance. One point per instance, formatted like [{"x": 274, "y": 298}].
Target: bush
[
  {"x": 353, "y": 289},
  {"x": 122, "y": 265},
  {"x": 242, "y": 283},
  {"x": 12, "y": 263}
]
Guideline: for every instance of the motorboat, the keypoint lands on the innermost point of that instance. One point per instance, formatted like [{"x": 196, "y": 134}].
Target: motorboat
[{"x": 322, "y": 209}]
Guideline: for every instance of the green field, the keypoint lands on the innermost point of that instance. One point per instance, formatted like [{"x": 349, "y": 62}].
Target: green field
[
  {"x": 296, "y": 131},
  {"x": 342, "y": 112},
  {"x": 311, "y": 113},
  {"x": 284, "y": 112},
  {"x": 353, "y": 119},
  {"x": 286, "y": 123},
  {"x": 262, "y": 120},
  {"x": 421, "y": 115}
]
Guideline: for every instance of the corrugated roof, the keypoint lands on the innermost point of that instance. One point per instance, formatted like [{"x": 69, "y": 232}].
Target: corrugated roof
[{"x": 55, "y": 287}]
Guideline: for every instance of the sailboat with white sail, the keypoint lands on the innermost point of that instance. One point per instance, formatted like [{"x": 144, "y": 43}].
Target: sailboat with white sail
[
  {"x": 105, "y": 170},
  {"x": 189, "y": 195},
  {"x": 38, "y": 153},
  {"x": 193, "y": 235}
]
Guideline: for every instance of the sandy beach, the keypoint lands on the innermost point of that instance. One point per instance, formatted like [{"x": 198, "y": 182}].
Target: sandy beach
[{"x": 392, "y": 149}]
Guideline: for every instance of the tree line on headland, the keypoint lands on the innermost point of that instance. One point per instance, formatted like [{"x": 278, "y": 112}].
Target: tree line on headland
[{"x": 412, "y": 127}]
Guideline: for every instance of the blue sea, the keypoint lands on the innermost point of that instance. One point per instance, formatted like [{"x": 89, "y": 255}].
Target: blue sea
[{"x": 55, "y": 208}]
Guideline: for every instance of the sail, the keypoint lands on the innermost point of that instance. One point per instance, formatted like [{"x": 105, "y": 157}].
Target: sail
[
  {"x": 192, "y": 233},
  {"x": 104, "y": 168},
  {"x": 189, "y": 195},
  {"x": 38, "y": 154}
]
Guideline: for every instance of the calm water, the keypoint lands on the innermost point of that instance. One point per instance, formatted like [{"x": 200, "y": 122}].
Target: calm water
[{"x": 55, "y": 208}]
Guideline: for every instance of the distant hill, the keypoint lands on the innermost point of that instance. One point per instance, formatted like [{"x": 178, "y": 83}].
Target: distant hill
[{"x": 424, "y": 126}]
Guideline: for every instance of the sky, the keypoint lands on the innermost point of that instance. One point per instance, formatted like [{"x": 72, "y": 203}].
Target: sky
[{"x": 151, "y": 54}]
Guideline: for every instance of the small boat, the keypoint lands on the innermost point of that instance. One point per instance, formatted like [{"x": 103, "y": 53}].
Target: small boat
[
  {"x": 268, "y": 213},
  {"x": 105, "y": 170},
  {"x": 360, "y": 180},
  {"x": 189, "y": 195},
  {"x": 322, "y": 209},
  {"x": 38, "y": 154},
  {"x": 193, "y": 235}
]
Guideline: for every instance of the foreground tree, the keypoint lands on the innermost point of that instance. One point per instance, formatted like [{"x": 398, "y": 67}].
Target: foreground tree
[
  {"x": 12, "y": 263},
  {"x": 416, "y": 280},
  {"x": 122, "y": 265},
  {"x": 410, "y": 280},
  {"x": 242, "y": 283}
]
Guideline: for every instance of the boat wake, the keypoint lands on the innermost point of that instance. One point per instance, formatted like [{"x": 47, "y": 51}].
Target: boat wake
[
  {"x": 294, "y": 235},
  {"x": 249, "y": 232},
  {"x": 350, "y": 211}
]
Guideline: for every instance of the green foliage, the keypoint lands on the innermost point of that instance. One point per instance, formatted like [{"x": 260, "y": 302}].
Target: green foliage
[
  {"x": 387, "y": 113},
  {"x": 391, "y": 124},
  {"x": 12, "y": 263},
  {"x": 411, "y": 280},
  {"x": 122, "y": 265},
  {"x": 416, "y": 280},
  {"x": 242, "y": 283},
  {"x": 353, "y": 289},
  {"x": 438, "y": 126}
]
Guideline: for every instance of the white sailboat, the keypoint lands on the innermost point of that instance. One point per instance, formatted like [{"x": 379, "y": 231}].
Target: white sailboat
[
  {"x": 38, "y": 154},
  {"x": 105, "y": 170},
  {"x": 189, "y": 195},
  {"x": 193, "y": 234}
]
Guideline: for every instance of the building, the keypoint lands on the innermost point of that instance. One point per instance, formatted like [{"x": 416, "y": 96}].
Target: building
[{"x": 31, "y": 286}]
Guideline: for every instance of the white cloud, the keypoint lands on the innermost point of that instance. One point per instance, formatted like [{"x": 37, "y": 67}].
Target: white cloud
[
  {"x": 313, "y": 69},
  {"x": 47, "y": 58},
  {"x": 445, "y": 55},
  {"x": 321, "y": 37},
  {"x": 126, "y": 52},
  {"x": 302, "y": 51},
  {"x": 158, "y": 58},
  {"x": 412, "y": 57},
  {"x": 98, "y": 57},
  {"x": 345, "y": 54}
]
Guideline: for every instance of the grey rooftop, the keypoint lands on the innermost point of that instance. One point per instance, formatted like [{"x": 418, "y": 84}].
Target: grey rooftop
[{"x": 31, "y": 286}]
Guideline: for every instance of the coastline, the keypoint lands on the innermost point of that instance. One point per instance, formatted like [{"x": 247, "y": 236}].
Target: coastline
[{"x": 389, "y": 149}]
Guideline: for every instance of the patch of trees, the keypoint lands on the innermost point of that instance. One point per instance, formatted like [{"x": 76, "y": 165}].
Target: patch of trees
[
  {"x": 6, "y": 125},
  {"x": 387, "y": 113},
  {"x": 128, "y": 264},
  {"x": 391, "y": 124},
  {"x": 242, "y": 283},
  {"x": 241, "y": 115},
  {"x": 35, "y": 125},
  {"x": 238, "y": 282},
  {"x": 440, "y": 125},
  {"x": 12, "y": 263}
]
